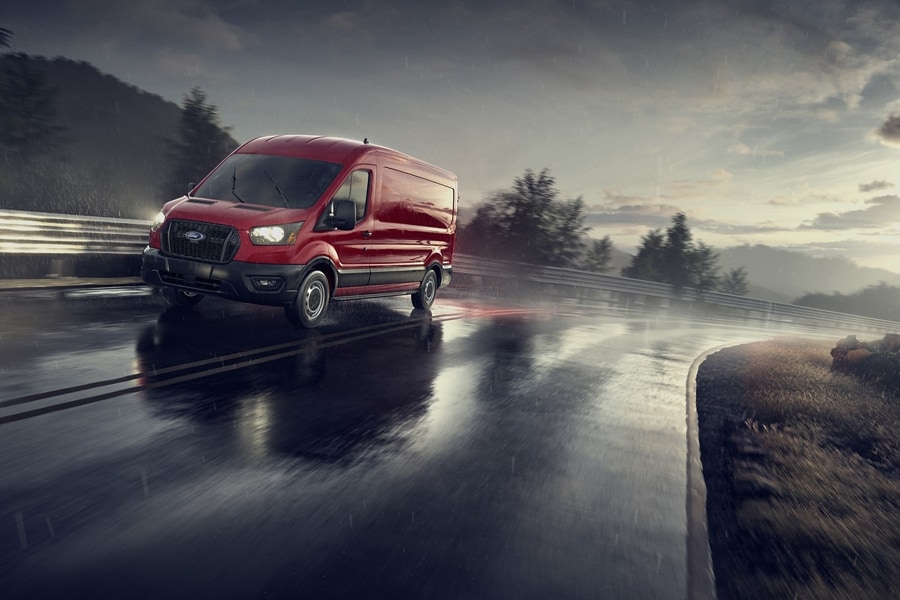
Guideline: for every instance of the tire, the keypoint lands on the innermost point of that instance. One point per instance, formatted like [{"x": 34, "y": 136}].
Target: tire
[
  {"x": 181, "y": 298},
  {"x": 424, "y": 298},
  {"x": 310, "y": 306}
]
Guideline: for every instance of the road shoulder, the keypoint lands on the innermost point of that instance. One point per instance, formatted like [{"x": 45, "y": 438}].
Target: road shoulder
[{"x": 800, "y": 467}]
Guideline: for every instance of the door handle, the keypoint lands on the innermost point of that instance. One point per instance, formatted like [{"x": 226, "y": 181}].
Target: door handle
[{"x": 367, "y": 234}]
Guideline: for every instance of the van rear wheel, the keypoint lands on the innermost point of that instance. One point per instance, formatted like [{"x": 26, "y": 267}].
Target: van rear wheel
[
  {"x": 424, "y": 298},
  {"x": 308, "y": 309}
]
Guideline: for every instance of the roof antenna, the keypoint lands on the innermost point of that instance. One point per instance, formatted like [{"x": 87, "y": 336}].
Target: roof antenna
[{"x": 365, "y": 140}]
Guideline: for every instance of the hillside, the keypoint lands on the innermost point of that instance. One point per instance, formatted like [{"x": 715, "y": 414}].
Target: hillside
[
  {"x": 113, "y": 157},
  {"x": 783, "y": 275}
]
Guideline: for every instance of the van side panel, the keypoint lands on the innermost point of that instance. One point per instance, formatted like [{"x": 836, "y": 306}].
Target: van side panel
[
  {"x": 412, "y": 200},
  {"x": 414, "y": 223}
]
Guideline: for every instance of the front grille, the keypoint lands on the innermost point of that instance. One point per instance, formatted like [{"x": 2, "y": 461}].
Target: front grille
[{"x": 218, "y": 243}]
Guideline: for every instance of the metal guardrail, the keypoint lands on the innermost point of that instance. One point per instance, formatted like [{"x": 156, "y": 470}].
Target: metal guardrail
[
  {"x": 576, "y": 278},
  {"x": 580, "y": 281},
  {"x": 23, "y": 232},
  {"x": 35, "y": 233}
]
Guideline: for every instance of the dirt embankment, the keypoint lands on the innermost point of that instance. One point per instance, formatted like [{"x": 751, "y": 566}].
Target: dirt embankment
[{"x": 801, "y": 459}]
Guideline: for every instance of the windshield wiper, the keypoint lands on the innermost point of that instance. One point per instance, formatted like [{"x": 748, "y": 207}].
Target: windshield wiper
[
  {"x": 233, "y": 183},
  {"x": 278, "y": 189}
]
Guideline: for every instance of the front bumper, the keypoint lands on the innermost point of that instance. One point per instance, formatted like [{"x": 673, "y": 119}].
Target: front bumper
[{"x": 236, "y": 280}]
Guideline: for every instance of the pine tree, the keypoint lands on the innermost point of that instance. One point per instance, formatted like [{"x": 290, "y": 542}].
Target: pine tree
[
  {"x": 703, "y": 268},
  {"x": 28, "y": 124},
  {"x": 735, "y": 282},
  {"x": 677, "y": 254},
  {"x": 202, "y": 143},
  {"x": 598, "y": 255},
  {"x": 648, "y": 263},
  {"x": 567, "y": 233}
]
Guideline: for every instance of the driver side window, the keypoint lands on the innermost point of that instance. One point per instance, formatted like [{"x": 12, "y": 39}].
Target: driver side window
[{"x": 356, "y": 189}]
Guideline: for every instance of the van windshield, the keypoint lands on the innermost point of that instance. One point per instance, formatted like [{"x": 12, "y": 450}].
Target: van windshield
[{"x": 282, "y": 181}]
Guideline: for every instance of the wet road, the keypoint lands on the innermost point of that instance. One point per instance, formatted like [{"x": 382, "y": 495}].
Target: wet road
[{"x": 468, "y": 453}]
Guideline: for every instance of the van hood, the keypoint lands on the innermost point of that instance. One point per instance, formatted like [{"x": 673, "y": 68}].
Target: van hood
[{"x": 235, "y": 214}]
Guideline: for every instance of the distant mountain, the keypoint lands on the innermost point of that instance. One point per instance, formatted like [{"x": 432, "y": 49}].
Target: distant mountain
[
  {"x": 618, "y": 260},
  {"x": 784, "y": 275},
  {"x": 112, "y": 159}
]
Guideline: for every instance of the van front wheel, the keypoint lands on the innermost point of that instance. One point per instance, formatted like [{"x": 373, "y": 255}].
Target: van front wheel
[
  {"x": 308, "y": 309},
  {"x": 181, "y": 298},
  {"x": 424, "y": 298}
]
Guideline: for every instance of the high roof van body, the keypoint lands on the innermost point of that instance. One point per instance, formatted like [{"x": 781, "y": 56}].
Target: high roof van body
[{"x": 297, "y": 221}]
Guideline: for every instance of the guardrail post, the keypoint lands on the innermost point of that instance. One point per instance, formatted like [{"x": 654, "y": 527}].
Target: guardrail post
[{"x": 61, "y": 267}]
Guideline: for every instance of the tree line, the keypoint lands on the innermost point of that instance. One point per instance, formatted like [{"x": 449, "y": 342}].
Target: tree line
[
  {"x": 530, "y": 223},
  {"x": 675, "y": 258}
]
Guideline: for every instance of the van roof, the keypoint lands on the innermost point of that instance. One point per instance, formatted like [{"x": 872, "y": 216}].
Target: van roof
[{"x": 331, "y": 149}]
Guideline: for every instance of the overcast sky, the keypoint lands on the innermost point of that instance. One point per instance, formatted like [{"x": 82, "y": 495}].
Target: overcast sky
[{"x": 774, "y": 122}]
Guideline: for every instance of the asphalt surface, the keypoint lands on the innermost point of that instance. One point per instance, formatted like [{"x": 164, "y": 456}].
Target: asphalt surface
[{"x": 477, "y": 451}]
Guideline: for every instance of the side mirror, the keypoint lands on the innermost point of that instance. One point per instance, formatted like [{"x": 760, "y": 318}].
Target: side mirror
[{"x": 344, "y": 214}]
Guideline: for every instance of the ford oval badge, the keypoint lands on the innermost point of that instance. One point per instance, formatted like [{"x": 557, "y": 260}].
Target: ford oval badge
[{"x": 195, "y": 236}]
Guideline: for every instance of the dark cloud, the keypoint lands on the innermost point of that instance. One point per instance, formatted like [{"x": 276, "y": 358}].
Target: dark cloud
[
  {"x": 889, "y": 132},
  {"x": 881, "y": 211},
  {"x": 874, "y": 186}
]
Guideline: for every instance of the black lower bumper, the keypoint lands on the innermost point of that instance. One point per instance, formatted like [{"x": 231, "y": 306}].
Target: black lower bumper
[
  {"x": 242, "y": 281},
  {"x": 446, "y": 275}
]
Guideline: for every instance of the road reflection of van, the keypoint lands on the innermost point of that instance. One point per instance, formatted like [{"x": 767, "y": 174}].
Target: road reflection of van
[
  {"x": 292, "y": 393},
  {"x": 296, "y": 221}
]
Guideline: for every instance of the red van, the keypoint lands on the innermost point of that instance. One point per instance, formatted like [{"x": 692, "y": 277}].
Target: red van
[{"x": 297, "y": 221}]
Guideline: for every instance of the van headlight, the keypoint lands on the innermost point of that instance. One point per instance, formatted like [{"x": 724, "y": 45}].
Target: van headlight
[
  {"x": 275, "y": 235},
  {"x": 158, "y": 221}
]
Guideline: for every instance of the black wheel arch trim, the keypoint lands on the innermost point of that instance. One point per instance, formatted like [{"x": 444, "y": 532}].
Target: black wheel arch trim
[
  {"x": 325, "y": 265},
  {"x": 439, "y": 270}
]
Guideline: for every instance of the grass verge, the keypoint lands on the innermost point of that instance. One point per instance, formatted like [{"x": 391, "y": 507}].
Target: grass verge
[{"x": 802, "y": 468}]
